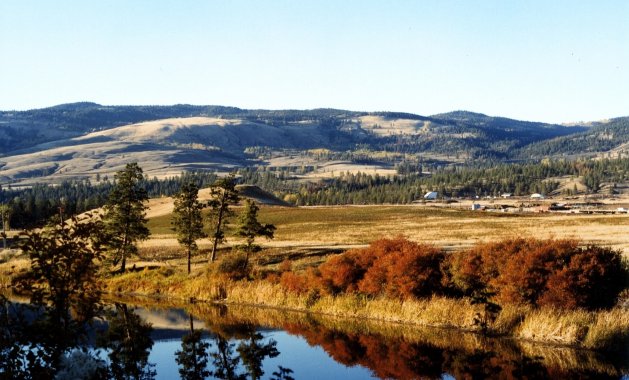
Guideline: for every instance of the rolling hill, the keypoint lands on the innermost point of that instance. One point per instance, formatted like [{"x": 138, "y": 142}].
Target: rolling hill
[{"x": 82, "y": 140}]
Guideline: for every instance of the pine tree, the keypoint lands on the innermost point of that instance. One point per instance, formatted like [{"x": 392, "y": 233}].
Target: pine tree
[
  {"x": 249, "y": 228},
  {"x": 224, "y": 195},
  {"x": 5, "y": 214},
  {"x": 125, "y": 211},
  {"x": 187, "y": 219}
]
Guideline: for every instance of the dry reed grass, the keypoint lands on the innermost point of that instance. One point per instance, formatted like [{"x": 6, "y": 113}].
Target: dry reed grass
[
  {"x": 219, "y": 318},
  {"x": 595, "y": 330},
  {"x": 609, "y": 329},
  {"x": 555, "y": 326}
]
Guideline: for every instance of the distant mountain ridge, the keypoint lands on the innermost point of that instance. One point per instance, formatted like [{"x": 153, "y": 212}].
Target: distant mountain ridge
[{"x": 81, "y": 139}]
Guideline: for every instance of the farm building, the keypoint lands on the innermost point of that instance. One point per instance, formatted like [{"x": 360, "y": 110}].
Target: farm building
[{"x": 431, "y": 195}]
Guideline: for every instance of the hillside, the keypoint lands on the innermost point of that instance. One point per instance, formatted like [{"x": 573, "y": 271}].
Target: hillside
[
  {"x": 86, "y": 140},
  {"x": 607, "y": 136}
]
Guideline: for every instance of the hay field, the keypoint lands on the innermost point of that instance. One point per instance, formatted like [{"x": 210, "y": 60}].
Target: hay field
[{"x": 334, "y": 226}]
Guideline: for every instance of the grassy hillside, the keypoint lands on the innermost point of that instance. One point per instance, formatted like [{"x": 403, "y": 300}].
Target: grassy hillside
[
  {"x": 82, "y": 140},
  {"x": 601, "y": 137}
]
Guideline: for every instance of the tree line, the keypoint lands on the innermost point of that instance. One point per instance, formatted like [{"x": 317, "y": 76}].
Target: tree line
[
  {"x": 34, "y": 206},
  {"x": 417, "y": 178}
]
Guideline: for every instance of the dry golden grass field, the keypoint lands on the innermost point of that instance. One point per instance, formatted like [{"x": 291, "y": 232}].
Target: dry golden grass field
[{"x": 345, "y": 226}]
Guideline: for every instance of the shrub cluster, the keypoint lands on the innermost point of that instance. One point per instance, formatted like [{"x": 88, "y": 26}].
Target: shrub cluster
[
  {"x": 396, "y": 268},
  {"x": 557, "y": 273}
]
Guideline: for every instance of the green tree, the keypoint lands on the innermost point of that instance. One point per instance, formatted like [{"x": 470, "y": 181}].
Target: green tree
[
  {"x": 125, "y": 211},
  {"x": 64, "y": 264},
  {"x": 249, "y": 228},
  {"x": 224, "y": 195},
  {"x": 187, "y": 219},
  {"x": 5, "y": 214},
  {"x": 62, "y": 284}
]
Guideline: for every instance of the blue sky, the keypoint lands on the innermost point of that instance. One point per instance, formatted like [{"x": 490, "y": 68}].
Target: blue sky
[{"x": 553, "y": 61}]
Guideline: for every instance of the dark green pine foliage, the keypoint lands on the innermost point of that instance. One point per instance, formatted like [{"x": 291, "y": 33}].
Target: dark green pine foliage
[
  {"x": 187, "y": 219},
  {"x": 125, "y": 211},
  {"x": 224, "y": 195},
  {"x": 249, "y": 228},
  {"x": 34, "y": 206}
]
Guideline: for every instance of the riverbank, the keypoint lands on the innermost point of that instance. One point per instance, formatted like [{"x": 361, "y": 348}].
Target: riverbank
[
  {"x": 598, "y": 330},
  {"x": 389, "y": 350}
]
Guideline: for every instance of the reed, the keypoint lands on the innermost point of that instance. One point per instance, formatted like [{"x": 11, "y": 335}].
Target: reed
[
  {"x": 610, "y": 329},
  {"x": 593, "y": 330}
]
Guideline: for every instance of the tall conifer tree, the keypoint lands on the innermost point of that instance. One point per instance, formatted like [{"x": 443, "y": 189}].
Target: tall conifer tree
[
  {"x": 125, "y": 214},
  {"x": 187, "y": 219}
]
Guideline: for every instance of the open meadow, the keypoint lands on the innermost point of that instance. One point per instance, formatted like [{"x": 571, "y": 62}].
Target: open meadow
[{"x": 338, "y": 227}]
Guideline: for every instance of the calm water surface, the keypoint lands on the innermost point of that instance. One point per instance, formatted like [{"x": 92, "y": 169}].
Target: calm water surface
[{"x": 256, "y": 343}]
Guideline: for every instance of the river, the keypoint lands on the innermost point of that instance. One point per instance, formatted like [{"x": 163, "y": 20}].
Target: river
[{"x": 140, "y": 339}]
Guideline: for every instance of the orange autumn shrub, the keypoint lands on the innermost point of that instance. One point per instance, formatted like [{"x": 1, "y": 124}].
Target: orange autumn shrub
[
  {"x": 300, "y": 283},
  {"x": 540, "y": 273},
  {"x": 534, "y": 272},
  {"x": 393, "y": 267},
  {"x": 524, "y": 275},
  {"x": 412, "y": 270},
  {"x": 341, "y": 273},
  {"x": 593, "y": 279},
  {"x": 474, "y": 269}
]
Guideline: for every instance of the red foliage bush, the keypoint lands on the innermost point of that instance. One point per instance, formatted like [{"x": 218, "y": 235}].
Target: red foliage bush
[
  {"x": 393, "y": 267},
  {"x": 410, "y": 270},
  {"x": 593, "y": 279},
  {"x": 300, "y": 283},
  {"x": 341, "y": 273},
  {"x": 540, "y": 272},
  {"x": 523, "y": 277},
  {"x": 535, "y": 272}
]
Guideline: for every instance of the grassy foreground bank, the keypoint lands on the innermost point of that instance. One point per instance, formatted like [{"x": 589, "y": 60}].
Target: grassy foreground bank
[{"x": 584, "y": 329}]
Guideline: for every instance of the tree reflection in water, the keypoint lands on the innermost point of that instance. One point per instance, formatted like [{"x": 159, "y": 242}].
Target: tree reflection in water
[
  {"x": 128, "y": 340},
  {"x": 251, "y": 352},
  {"x": 34, "y": 346},
  {"x": 225, "y": 361},
  {"x": 193, "y": 356},
  {"x": 234, "y": 347}
]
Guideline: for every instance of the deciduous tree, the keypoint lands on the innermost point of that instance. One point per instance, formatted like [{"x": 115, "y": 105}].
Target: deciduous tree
[{"x": 64, "y": 263}]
